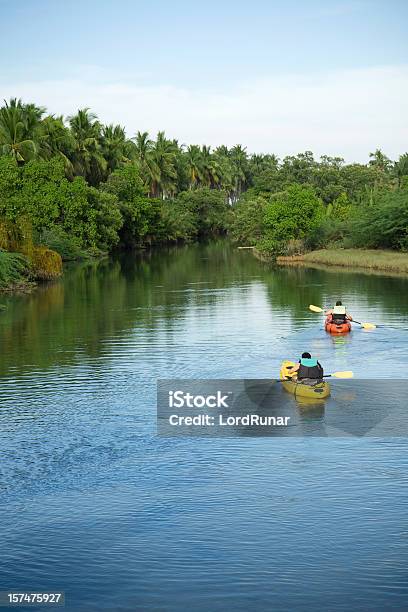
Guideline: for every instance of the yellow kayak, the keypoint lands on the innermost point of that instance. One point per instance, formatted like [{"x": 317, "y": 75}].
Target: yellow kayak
[{"x": 318, "y": 391}]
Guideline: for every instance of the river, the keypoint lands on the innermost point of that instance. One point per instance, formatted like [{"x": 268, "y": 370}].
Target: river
[{"x": 94, "y": 503}]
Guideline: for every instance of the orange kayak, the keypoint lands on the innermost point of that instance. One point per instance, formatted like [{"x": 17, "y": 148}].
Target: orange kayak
[{"x": 337, "y": 328}]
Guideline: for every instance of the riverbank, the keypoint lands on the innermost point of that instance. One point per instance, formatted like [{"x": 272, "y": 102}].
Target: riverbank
[
  {"x": 20, "y": 273},
  {"x": 369, "y": 259},
  {"x": 14, "y": 273}
]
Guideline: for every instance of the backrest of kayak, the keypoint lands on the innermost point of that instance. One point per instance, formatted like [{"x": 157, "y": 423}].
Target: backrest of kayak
[{"x": 310, "y": 368}]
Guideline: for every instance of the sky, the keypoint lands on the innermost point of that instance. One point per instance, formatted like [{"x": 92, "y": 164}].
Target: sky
[{"x": 284, "y": 77}]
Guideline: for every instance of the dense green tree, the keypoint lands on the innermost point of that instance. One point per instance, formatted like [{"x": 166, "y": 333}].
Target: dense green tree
[
  {"x": 293, "y": 214},
  {"x": 40, "y": 192},
  {"x": 176, "y": 222},
  {"x": 209, "y": 208},
  {"x": 299, "y": 168},
  {"x": 247, "y": 221},
  {"x": 140, "y": 213},
  {"x": 383, "y": 223}
]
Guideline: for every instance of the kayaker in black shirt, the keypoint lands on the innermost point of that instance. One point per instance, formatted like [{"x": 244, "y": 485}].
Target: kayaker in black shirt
[{"x": 308, "y": 368}]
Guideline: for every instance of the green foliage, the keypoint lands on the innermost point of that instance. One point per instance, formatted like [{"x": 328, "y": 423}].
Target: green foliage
[
  {"x": 384, "y": 224},
  {"x": 67, "y": 246},
  {"x": 247, "y": 223},
  {"x": 40, "y": 192},
  {"x": 268, "y": 181},
  {"x": 209, "y": 208},
  {"x": 340, "y": 209},
  {"x": 400, "y": 170},
  {"x": 108, "y": 220},
  {"x": 88, "y": 159},
  {"x": 177, "y": 223},
  {"x": 77, "y": 186},
  {"x": 291, "y": 215},
  {"x": 14, "y": 269},
  {"x": 19, "y": 130},
  {"x": 140, "y": 213}
]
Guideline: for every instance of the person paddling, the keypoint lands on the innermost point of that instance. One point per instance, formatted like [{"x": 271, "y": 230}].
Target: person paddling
[
  {"x": 309, "y": 370},
  {"x": 339, "y": 313}
]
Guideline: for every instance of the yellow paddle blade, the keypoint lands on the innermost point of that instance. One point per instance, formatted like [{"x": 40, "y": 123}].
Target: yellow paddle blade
[
  {"x": 315, "y": 308},
  {"x": 368, "y": 326},
  {"x": 347, "y": 374}
]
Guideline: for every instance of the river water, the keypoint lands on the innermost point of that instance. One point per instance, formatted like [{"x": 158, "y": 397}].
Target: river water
[{"x": 94, "y": 503}]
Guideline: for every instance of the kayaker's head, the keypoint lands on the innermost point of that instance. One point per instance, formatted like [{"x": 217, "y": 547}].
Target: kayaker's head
[
  {"x": 338, "y": 303},
  {"x": 306, "y": 356}
]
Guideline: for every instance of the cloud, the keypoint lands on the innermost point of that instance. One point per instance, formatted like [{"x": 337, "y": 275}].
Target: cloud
[{"x": 347, "y": 113}]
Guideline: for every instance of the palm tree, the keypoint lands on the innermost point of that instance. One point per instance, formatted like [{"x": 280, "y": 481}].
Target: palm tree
[
  {"x": 143, "y": 154},
  {"x": 259, "y": 163},
  {"x": 19, "y": 130},
  {"x": 222, "y": 151},
  {"x": 400, "y": 168},
  {"x": 194, "y": 163},
  {"x": 239, "y": 159},
  {"x": 113, "y": 145},
  {"x": 89, "y": 161},
  {"x": 380, "y": 161},
  {"x": 211, "y": 168},
  {"x": 56, "y": 140},
  {"x": 144, "y": 145},
  {"x": 164, "y": 175},
  {"x": 223, "y": 158}
]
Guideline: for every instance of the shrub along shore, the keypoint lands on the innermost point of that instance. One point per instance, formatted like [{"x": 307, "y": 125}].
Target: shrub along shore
[{"x": 72, "y": 188}]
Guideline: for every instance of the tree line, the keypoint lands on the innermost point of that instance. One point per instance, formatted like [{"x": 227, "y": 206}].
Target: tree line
[
  {"x": 93, "y": 150},
  {"x": 84, "y": 187},
  {"x": 306, "y": 204}
]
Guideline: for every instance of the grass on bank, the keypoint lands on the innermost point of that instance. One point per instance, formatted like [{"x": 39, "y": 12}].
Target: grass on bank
[
  {"x": 360, "y": 258},
  {"x": 14, "y": 270},
  {"x": 19, "y": 272}
]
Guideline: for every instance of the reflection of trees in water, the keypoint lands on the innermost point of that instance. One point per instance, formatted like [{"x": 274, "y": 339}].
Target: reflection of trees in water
[
  {"x": 99, "y": 300},
  {"x": 294, "y": 288}
]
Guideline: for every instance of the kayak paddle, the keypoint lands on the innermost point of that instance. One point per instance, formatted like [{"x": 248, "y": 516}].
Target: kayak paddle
[
  {"x": 315, "y": 308},
  {"x": 345, "y": 374},
  {"x": 363, "y": 325}
]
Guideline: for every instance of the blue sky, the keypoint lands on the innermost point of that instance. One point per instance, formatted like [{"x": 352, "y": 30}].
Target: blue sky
[{"x": 280, "y": 76}]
